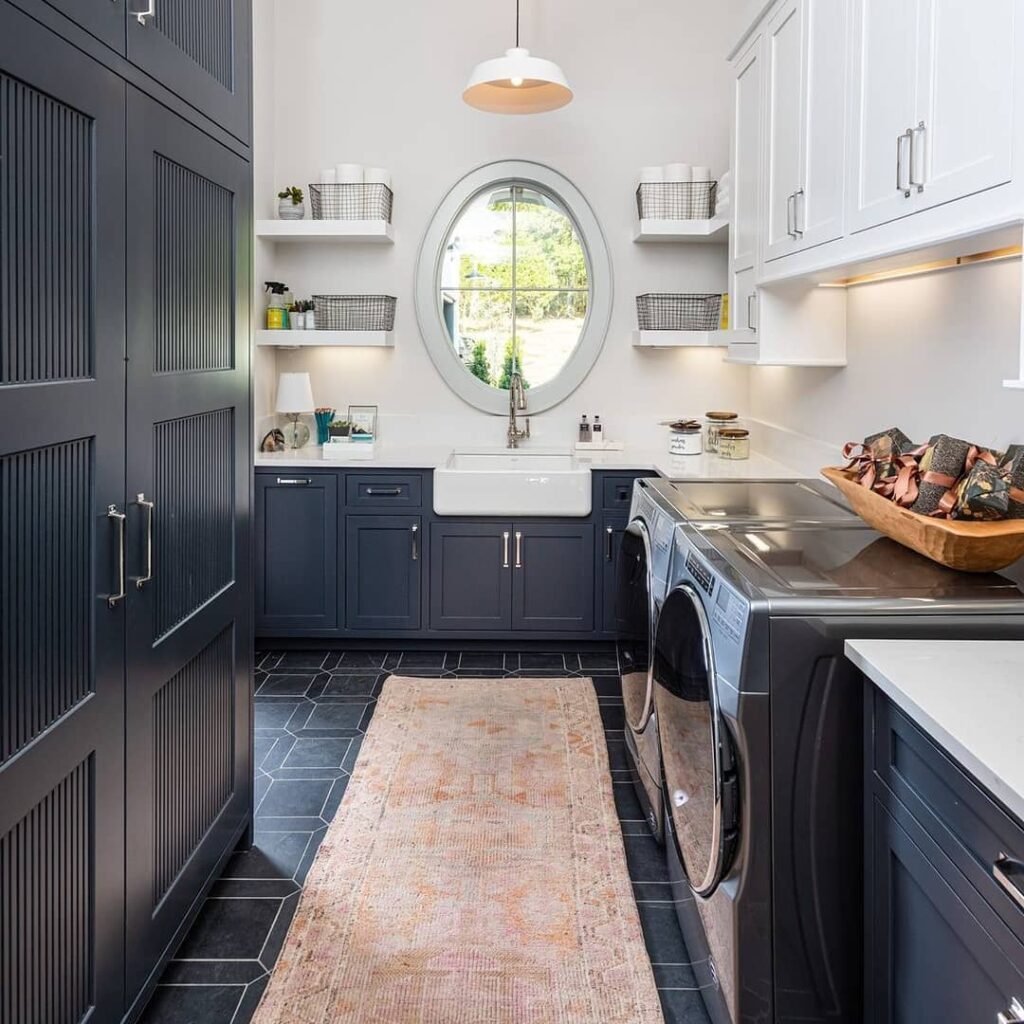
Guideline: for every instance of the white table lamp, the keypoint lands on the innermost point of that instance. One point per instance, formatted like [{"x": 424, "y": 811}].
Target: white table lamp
[{"x": 294, "y": 397}]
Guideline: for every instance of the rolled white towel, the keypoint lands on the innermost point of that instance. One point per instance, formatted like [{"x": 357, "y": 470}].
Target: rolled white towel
[
  {"x": 678, "y": 172},
  {"x": 328, "y": 176},
  {"x": 377, "y": 176},
  {"x": 701, "y": 173},
  {"x": 349, "y": 174},
  {"x": 651, "y": 175}
]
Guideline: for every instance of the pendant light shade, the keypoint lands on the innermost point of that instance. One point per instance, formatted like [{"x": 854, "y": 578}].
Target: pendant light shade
[{"x": 517, "y": 83}]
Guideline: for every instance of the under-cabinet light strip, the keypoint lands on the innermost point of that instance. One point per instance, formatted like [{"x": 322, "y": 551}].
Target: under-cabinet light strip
[{"x": 1008, "y": 252}]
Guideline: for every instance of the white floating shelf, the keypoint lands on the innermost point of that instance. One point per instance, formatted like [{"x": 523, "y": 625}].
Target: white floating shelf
[
  {"x": 680, "y": 339},
  {"x": 342, "y": 231},
  {"x": 714, "y": 230},
  {"x": 326, "y": 339},
  {"x": 1017, "y": 384}
]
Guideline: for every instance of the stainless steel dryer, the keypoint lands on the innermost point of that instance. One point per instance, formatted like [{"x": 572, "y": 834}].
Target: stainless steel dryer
[
  {"x": 658, "y": 507},
  {"x": 761, "y": 718}
]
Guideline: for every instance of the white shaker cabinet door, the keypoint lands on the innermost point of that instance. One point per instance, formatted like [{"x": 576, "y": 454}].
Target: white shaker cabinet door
[
  {"x": 963, "y": 136},
  {"x": 746, "y": 156},
  {"x": 884, "y": 80},
  {"x": 784, "y": 57}
]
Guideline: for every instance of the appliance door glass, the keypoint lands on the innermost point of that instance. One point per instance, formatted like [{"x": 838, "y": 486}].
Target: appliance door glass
[
  {"x": 635, "y": 611},
  {"x": 689, "y": 725}
]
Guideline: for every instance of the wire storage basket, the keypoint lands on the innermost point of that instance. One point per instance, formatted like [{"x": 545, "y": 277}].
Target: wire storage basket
[
  {"x": 659, "y": 311},
  {"x": 675, "y": 200},
  {"x": 351, "y": 202},
  {"x": 355, "y": 312}
]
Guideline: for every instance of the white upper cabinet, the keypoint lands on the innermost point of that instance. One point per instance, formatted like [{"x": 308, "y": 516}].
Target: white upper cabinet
[
  {"x": 932, "y": 104},
  {"x": 805, "y": 54},
  {"x": 746, "y": 157}
]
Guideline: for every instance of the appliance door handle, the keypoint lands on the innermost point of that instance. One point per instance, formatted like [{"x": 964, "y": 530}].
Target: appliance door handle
[
  {"x": 504, "y": 549},
  {"x": 150, "y": 507},
  {"x": 1006, "y": 871},
  {"x": 415, "y": 530},
  {"x": 519, "y": 549},
  {"x": 609, "y": 534},
  {"x": 149, "y": 12},
  {"x": 1014, "y": 1014},
  {"x": 901, "y": 184},
  {"x": 293, "y": 481},
  {"x": 122, "y": 593},
  {"x": 917, "y": 140},
  {"x": 384, "y": 492}
]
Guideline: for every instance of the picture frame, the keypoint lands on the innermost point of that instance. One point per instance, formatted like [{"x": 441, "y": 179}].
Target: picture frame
[{"x": 363, "y": 419}]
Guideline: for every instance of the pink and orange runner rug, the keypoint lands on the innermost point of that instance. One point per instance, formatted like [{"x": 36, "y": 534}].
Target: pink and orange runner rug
[{"x": 475, "y": 871}]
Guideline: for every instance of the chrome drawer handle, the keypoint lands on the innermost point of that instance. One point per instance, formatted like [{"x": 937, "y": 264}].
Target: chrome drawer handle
[
  {"x": 504, "y": 549},
  {"x": 917, "y": 157},
  {"x": 901, "y": 184},
  {"x": 798, "y": 232},
  {"x": 149, "y": 12},
  {"x": 415, "y": 542},
  {"x": 519, "y": 550},
  {"x": 121, "y": 594},
  {"x": 609, "y": 536},
  {"x": 150, "y": 508},
  {"x": 294, "y": 481},
  {"x": 1013, "y": 1015},
  {"x": 1004, "y": 871},
  {"x": 384, "y": 492}
]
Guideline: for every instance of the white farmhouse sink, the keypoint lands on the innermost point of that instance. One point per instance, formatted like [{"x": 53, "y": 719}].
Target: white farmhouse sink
[{"x": 500, "y": 482}]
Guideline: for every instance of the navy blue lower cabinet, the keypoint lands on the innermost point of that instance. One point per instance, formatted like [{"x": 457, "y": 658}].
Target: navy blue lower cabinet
[
  {"x": 470, "y": 576},
  {"x": 610, "y": 539},
  {"x": 553, "y": 577},
  {"x": 296, "y": 552},
  {"x": 383, "y": 563}
]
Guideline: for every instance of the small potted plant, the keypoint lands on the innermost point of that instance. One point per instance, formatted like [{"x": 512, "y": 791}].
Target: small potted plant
[
  {"x": 339, "y": 428},
  {"x": 290, "y": 204}
]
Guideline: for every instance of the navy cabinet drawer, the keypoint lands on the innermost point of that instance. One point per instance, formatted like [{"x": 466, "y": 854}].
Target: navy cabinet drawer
[
  {"x": 617, "y": 493},
  {"x": 384, "y": 490},
  {"x": 982, "y": 839}
]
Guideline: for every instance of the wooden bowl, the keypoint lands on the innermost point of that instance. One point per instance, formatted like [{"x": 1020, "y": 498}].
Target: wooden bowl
[{"x": 969, "y": 547}]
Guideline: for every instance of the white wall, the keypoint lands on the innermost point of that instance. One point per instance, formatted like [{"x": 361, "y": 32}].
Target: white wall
[
  {"x": 927, "y": 354},
  {"x": 381, "y": 83}
]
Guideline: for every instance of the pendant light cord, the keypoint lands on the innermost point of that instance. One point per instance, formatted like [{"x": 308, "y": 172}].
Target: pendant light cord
[{"x": 517, "y": 24}]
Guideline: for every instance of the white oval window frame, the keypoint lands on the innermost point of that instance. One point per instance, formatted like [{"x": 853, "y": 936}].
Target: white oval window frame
[{"x": 429, "y": 266}]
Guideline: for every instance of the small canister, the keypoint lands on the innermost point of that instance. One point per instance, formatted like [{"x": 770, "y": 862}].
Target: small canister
[
  {"x": 714, "y": 421},
  {"x": 734, "y": 443},
  {"x": 685, "y": 438}
]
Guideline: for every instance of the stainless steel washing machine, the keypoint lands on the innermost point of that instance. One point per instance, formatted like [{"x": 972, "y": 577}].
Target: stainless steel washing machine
[
  {"x": 658, "y": 507},
  {"x": 761, "y": 725}
]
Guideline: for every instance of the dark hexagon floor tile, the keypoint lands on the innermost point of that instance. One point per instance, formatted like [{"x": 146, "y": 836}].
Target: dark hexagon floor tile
[
  {"x": 278, "y": 931},
  {"x": 273, "y": 855},
  {"x": 360, "y": 661},
  {"x": 645, "y": 858},
  {"x": 192, "y": 1004},
  {"x": 273, "y": 716},
  {"x": 477, "y": 660},
  {"x": 292, "y": 684},
  {"x": 661, "y": 933},
  {"x": 529, "y": 662},
  {"x": 287, "y": 799},
  {"x": 683, "y": 1007},
  {"x": 230, "y": 930},
  {"x": 298, "y": 661},
  {"x": 318, "y": 752},
  {"x": 211, "y": 972},
  {"x": 422, "y": 660},
  {"x": 598, "y": 662},
  {"x": 251, "y": 1000},
  {"x": 333, "y": 720},
  {"x": 367, "y": 684}
]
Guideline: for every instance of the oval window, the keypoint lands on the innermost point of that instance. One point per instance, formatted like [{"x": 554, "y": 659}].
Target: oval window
[{"x": 514, "y": 277}]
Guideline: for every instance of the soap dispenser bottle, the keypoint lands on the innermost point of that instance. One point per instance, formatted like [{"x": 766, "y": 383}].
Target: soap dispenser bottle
[
  {"x": 584, "y": 430},
  {"x": 597, "y": 433}
]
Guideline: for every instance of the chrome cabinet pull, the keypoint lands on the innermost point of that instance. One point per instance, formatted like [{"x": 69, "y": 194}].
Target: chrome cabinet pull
[
  {"x": 798, "y": 232},
  {"x": 609, "y": 533},
  {"x": 791, "y": 215},
  {"x": 1014, "y": 1014},
  {"x": 150, "y": 507},
  {"x": 751, "y": 317},
  {"x": 901, "y": 184},
  {"x": 519, "y": 550},
  {"x": 504, "y": 549},
  {"x": 120, "y": 518},
  {"x": 384, "y": 492},
  {"x": 415, "y": 542},
  {"x": 1005, "y": 870},
  {"x": 916, "y": 177},
  {"x": 294, "y": 481},
  {"x": 149, "y": 12}
]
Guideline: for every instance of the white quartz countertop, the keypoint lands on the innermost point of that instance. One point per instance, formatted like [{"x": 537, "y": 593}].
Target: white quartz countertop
[
  {"x": 967, "y": 695},
  {"x": 658, "y": 462}
]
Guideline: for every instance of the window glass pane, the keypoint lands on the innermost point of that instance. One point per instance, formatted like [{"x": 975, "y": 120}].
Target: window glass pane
[
  {"x": 548, "y": 250},
  {"x": 548, "y": 329},
  {"x": 479, "y": 252},
  {"x": 480, "y": 328}
]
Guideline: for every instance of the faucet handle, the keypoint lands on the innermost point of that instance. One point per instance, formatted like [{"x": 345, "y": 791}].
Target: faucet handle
[{"x": 527, "y": 421}]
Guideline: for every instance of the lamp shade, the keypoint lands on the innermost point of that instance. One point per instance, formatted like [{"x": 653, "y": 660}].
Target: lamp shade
[
  {"x": 294, "y": 393},
  {"x": 517, "y": 84}
]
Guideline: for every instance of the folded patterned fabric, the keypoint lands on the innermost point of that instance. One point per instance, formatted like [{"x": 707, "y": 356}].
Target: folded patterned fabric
[
  {"x": 1012, "y": 464},
  {"x": 983, "y": 493},
  {"x": 941, "y": 465}
]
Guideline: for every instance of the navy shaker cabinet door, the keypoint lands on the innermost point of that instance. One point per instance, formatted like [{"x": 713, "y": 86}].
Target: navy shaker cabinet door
[
  {"x": 200, "y": 50},
  {"x": 62, "y": 614},
  {"x": 553, "y": 577},
  {"x": 296, "y": 551},
  {"x": 383, "y": 560},
  {"x": 470, "y": 576}
]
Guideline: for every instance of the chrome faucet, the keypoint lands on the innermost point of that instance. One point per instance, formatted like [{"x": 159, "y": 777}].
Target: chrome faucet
[{"x": 516, "y": 403}]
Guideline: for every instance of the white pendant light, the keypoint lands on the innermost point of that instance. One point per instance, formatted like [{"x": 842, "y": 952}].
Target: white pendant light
[{"x": 517, "y": 83}]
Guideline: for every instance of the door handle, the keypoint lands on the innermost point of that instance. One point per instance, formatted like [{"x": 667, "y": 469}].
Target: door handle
[
  {"x": 751, "y": 319},
  {"x": 504, "y": 549},
  {"x": 609, "y": 533},
  {"x": 150, "y": 508},
  {"x": 901, "y": 185},
  {"x": 149, "y": 12},
  {"x": 519, "y": 550},
  {"x": 384, "y": 492},
  {"x": 1014, "y": 1014},
  {"x": 415, "y": 542},
  {"x": 1005, "y": 870},
  {"x": 916, "y": 178},
  {"x": 294, "y": 481},
  {"x": 798, "y": 232},
  {"x": 119, "y": 517},
  {"x": 790, "y": 215}
]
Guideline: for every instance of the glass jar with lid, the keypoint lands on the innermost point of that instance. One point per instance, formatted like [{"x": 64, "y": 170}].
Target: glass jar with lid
[
  {"x": 714, "y": 422},
  {"x": 734, "y": 443},
  {"x": 685, "y": 438}
]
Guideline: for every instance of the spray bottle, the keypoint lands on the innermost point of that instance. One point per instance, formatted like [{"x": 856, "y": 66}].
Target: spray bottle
[{"x": 277, "y": 315}]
